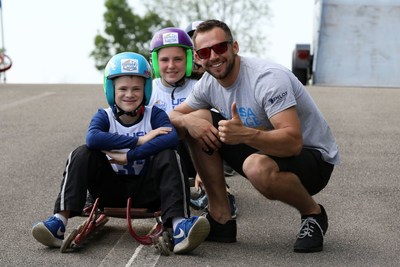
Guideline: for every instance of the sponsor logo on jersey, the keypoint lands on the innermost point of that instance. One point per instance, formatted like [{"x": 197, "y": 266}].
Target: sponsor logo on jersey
[
  {"x": 248, "y": 117},
  {"x": 278, "y": 98},
  {"x": 176, "y": 102}
]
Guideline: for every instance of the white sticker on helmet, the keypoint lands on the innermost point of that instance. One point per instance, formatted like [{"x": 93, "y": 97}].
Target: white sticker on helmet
[
  {"x": 129, "y": 66},
  {"x": 170, "y": 38}
]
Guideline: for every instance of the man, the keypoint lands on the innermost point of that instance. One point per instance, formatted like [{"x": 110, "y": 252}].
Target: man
[
  {"x": 268, "y": 129},
  {"x": 197, "y": 72}
]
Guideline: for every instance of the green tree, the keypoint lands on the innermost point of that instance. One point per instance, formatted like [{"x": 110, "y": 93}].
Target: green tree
[
  {"x": 246, "y": 18},
  {"x": 125, "y": 31}
]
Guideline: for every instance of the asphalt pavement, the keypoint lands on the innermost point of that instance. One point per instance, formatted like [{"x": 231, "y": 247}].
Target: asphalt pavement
[{"x": 41, "y": 124}]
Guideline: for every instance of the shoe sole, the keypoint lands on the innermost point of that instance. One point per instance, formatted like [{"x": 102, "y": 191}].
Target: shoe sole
[
  {"x": 222, "y": 239},
  {"x": 44, "y": 236},
  {"x": 308, "y": 250},
  {"x": 197, "y": 234}
]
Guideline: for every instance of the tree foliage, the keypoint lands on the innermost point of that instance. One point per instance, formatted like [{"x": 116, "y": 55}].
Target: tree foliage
[
  {"x": 125, "y": 31},
  {"x": 246, "y": 18}
]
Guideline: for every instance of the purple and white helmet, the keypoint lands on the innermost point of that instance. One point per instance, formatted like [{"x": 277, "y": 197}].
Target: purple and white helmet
[{"x": 171, "y": 37}]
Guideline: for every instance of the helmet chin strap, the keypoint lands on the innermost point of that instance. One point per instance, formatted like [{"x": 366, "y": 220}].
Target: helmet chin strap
[
  {"x": 176, "y": 85},
  {"x": 138, "y": 111}
]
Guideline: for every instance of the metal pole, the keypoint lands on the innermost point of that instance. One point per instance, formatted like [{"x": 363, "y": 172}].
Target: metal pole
[{"x": 2, "y": 38}]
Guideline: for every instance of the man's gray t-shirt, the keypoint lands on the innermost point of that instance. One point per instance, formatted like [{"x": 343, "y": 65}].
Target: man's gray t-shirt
[{"x": 261, "y": 90}]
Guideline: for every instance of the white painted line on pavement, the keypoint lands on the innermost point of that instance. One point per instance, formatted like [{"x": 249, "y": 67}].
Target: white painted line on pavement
[
  {"x": 132, "y": 259},
  {"x": 144, "y": 256},
  {"x": 112, "y": 252},
  {"x": 25, "y": 100}
]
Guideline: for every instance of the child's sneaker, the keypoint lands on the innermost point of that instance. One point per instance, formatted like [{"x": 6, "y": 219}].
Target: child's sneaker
[
  {"x": 201, "y": 202},
  {"x": 50, "y": 232},
  {"x": 311, "y": 235},
  {"x": 228, "y": 171},
  {"x": 190, "y": 233}
]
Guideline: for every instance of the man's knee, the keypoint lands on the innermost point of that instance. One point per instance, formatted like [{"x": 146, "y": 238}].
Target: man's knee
[
  {"x": 258, "y": 165},
  {"x": 261, "y": 171}
]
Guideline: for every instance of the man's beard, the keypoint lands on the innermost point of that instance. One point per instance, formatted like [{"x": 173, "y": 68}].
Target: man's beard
[{"x": 226, "y": 72}]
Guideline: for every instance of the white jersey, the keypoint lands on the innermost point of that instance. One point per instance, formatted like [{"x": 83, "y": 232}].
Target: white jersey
[
  {"x": 261, "y": 90},
  {"x": 162, "y": 97},
  {"x": 139, "y": 129}
]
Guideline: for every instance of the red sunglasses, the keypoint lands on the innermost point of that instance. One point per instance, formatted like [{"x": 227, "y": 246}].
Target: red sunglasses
[{"x": 219, "y": 49}]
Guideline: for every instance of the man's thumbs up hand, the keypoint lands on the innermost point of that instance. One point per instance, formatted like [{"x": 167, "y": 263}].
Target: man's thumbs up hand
[
  {"x": 235, "y": 114},
  {"x": 229, "y": 130}
]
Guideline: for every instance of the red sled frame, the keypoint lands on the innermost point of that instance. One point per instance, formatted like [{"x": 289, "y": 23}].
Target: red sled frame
[{"x": 158, "y": 236}]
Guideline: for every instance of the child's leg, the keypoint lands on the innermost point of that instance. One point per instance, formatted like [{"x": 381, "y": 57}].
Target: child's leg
[
  {"x": 83, "y": 167},
  {"x": 173, "y": 185}
]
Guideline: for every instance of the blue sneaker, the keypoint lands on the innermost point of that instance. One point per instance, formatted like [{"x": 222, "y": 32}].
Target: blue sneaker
[
  {"x": 50, "y": 232},
  {"x": 190, "y": 233}
]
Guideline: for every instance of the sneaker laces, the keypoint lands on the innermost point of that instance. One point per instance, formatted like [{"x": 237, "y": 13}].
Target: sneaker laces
[{"x": 307, "y": 227}]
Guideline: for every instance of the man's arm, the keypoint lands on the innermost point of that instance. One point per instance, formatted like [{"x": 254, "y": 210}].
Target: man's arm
[
  {"x": 179, "y": 115},
  {"x": 283, "y": 141},
  {"x": 196, "y": 123}
]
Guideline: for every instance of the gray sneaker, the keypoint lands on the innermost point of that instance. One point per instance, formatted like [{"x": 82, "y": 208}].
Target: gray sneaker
[{"x": 228, "y": 171}]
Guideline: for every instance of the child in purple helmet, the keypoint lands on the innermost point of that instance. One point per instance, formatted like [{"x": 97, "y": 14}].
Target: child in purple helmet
[{"x": 171, "y": 51}]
